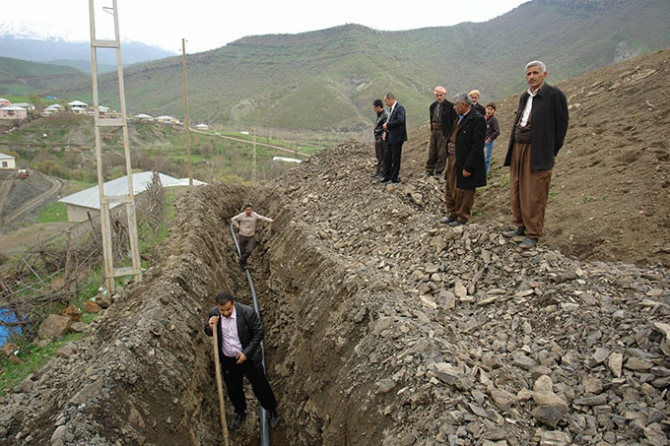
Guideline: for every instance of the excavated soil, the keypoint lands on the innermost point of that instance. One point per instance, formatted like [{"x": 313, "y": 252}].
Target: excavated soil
[{"x": 384, "y": 327}]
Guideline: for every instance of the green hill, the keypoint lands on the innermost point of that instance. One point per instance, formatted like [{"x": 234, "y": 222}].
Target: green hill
[
  {"x": 325, "y": 81},
  {"x": 21, "y": 78}
]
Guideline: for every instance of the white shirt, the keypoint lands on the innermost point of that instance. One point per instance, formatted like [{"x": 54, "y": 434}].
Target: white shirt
[
  {"x": 528, "y": 108},
  {"x": 231, "y": 345},
  {"x": 392, "y": 107}
]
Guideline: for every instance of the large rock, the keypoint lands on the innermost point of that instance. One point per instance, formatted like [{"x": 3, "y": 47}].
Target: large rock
[{"x": 54, "y": 325}]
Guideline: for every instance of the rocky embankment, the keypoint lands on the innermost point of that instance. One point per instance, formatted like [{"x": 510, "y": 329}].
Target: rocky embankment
[{"x": 382, "y": 327}]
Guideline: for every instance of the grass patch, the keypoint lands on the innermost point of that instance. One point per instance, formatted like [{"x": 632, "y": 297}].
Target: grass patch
[
  {"x": 33, "y": 357},
  {"x": 53, "y": 212}
]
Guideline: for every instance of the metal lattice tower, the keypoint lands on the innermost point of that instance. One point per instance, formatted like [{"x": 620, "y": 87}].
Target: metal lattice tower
[{"x": 110, "y": 272}]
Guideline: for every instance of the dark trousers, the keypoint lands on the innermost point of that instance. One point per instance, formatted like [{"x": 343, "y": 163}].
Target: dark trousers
[
  {"x": 233, "y": 375},
  {"x": 246, "y": 246},
  {"x": 529, "y": 191},
  {"x": 392, "y": 161},
  {"x": 380, "y": 146},
  {"x": 459, "y": 201},
  {"x": 437, "y": 152}
]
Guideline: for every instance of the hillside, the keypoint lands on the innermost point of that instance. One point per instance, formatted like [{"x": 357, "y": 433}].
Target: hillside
[
  {"x": 384, "y": 327},
  {"x": 324, "y": 81},
  {"x": 21, "y": 78}
]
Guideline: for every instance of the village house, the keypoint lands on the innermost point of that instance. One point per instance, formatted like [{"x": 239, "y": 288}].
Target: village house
[
  {"x": 5, "y": 102},
  {"x": 7, "y": 162},
  {"x": 53, "y": 109},
  {"x": 78, "y": 107},
  {"x": 80, "y": 204},
  {"x": 13, "y": 112},
  {"x": 142, "y": 117},
  {"x": 28, "y": 106},
  {"x": 167, "y": 120}
]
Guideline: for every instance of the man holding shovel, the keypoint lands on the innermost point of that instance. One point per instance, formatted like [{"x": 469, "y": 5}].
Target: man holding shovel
[{"x": 240, "y": 333}]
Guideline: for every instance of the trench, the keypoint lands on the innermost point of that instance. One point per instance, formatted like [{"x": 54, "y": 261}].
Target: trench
[{"x": 145, "y": 374}]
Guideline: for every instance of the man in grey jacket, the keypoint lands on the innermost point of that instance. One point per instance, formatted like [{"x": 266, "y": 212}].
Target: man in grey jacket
[{"x": 245, "y": 223}]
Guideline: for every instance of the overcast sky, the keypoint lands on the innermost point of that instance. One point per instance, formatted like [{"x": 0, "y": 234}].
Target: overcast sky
[{"x": 209, "y": 24}]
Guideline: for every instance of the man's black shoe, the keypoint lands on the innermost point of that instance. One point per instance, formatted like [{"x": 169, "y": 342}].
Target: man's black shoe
[
  {"x": 383, "y": 180},
  {"x": 516, "y": 232},
  {"x": 237, "y": 421},
  {"x": 449, "y": 219},
  {"x": 528, "y": 243},
  {"x": 456, "y": 223},
  {"x": 274, "y": 419}
]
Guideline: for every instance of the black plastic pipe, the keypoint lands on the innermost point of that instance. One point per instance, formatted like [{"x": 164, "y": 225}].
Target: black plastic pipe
[{"x": 265, "y": 420}]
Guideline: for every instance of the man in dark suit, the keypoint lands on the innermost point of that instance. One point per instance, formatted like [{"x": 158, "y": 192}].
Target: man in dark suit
[
  {"x": 466, "y": 168},
  {"x": 395, "y": 137},
  {"x": 537, "y": 135},
  {"x": 240, "y": 333}
]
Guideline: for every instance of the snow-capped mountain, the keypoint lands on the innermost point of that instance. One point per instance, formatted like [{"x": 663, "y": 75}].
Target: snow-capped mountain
[
  {"x": 37, "y": 31},
  {"x": 46, "y": 43}
]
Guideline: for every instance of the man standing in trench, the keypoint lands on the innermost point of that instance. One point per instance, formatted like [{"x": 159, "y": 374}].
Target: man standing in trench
[
  {"x": 245, "y": 223},
  {"x": 240, "y": 333},
  {"x": 537, "y": 135}
]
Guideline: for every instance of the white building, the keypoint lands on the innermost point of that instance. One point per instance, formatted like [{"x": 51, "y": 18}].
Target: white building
[
  {"x": 7, "y": 162},
  {"x": 167, "y": 120},
  {"x": 81, "y": 203},
  {"x": 13, "y": 112},
  {"x": 78, "y": 107},
  {"x": 53, "y": 109},
  {"x": 142, "y": 117}
]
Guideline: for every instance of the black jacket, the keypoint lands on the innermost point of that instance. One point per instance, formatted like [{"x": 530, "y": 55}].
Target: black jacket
[
  {"x": 249, "y": 329},
  {"x": 480, "y": 108},
  {"x": 378, "y": 130},
  {"x": 470, "y": 151},
  {"x": 448, "y": 115},
  {"x": 395, "y": 126},
  {"x": 548, "y": 126}
]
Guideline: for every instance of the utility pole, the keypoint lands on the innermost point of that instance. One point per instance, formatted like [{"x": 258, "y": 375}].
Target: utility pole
[
  {"x": 106, "y": 201},
  {"x": 253, "y": 161},
  {"x": 186, "y": 120}
]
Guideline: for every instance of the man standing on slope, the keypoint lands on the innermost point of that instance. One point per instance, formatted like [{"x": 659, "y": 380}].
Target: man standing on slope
[
  {"x": 465, "y": 161},
  {"x": 537, "y": 135},
  {"x": 245, "y": 223},
  {"x": 380, "y": 137},
  {"x": 441, "y": 118},
  {"x": 395, "y": 137}
]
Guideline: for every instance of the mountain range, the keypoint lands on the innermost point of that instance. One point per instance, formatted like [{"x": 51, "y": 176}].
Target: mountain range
[
  {"x": 41, "y": 43},
  {"x": 325, "y": 81}
]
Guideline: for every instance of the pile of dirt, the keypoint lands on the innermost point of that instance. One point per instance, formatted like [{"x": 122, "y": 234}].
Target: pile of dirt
[{"x": 385, "y": 327}]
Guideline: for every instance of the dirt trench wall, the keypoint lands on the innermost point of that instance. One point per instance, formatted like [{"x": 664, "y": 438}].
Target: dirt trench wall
[
  {"x": 144, "y": 374},
  {"x": 314, "y": 334}
]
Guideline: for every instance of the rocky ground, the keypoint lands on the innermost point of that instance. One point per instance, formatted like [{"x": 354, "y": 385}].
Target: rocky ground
[{"x": 384, "y": 326}]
